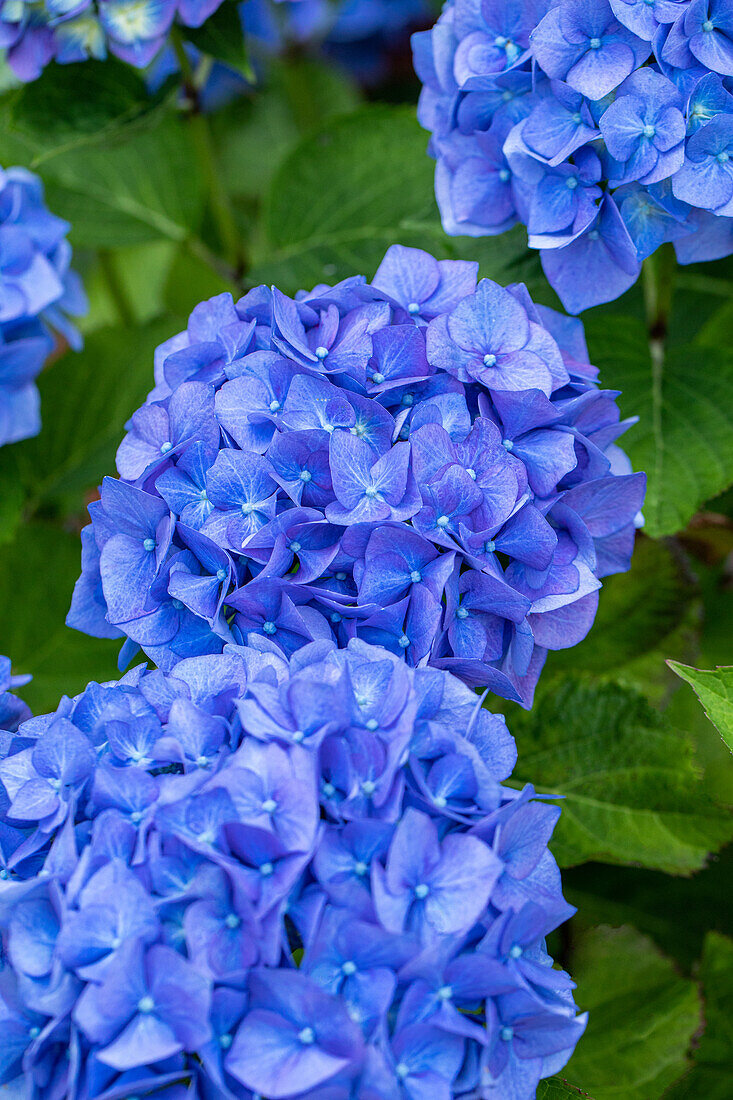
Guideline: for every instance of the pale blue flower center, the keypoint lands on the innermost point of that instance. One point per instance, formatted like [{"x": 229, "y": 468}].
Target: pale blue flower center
[
  {"x": 232, "y": 921},
  {"x": 177, "y": 604},
  {"x": 269, "y": 627},
  {"x": 593, "y": 235},
  {"x": 571, "y": 183},
  {"x": 413, "y": 307},
  {"x": 372, "y": 724},
  {"x": 340, "y": 576},
  {"x": 489, "y": 547},
  {"x": 274, "y": 406},
  {"x": 445, "y": 992},
  {"x": 377, "y": 379},
  {"x": 515, "y": 951},
  {"x": 404, "y": 641},
  {"x": 146, "y": 1005},
  {"x": 295, "y": 546},
  {"x": 307, "y": 1036},
  {"x": 165, "y": 447},
  {"x": 595, "y": 43},
  {"x": 723, "y": 157},
  {"x": 407, "y": 399},
  {"x": 305, "y": 475},
  {"x": 504, "y": 174},
  {"x": 335, "y": 617},
  {"x": 361, "y": 868},
  {"x": 707, "y": 26},
  {"x": 329, "y": 790},
  {"x": 349, "y": 968},
  {"x": 442, "y": 521},
  {"x": 225, "y": 1041},
  {"x": 507, "y": 1034},
  {"x": 370, "y": 491},
  {"x": 471, "y": 472},
  {"x": 266, "y": 869},
  {"x": 321, "y": 352},
  {"x": 421, "y": 891},
  {"x": 269, "y": 805},
  {"x": 221, "y": 574},
  {"x": 248, "y": 508},
  {"x": 507, "y": 444},
  {"x": 149, "y": 544},
  {"x": 462, "y": 613},
  {"x": 415, "y": 576},
  {"x": 402, "y": 1070},
  {"x": 649, "y": 131},
  {"x": 489, "y": 360}
]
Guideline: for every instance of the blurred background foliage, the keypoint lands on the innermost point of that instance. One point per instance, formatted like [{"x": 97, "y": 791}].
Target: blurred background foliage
[{"x": 307, "y": 177}]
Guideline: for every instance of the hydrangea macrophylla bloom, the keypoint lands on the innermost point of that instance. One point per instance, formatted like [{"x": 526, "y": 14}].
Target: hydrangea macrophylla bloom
[
  {"x": 423, "y": 463},
  {"x": 257, "y": 876},
  {"x": 32, "y": 34},
  {"x": 604, "y": 126},
  {"x": 38, "y": 291},
  {"x": 358, "y": 34},
  {"x": 13, "y": 710}
]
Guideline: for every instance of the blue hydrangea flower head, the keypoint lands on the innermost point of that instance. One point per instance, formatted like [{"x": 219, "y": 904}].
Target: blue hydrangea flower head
[
  {"x": 13, "y": 710},
  {"x": 424, "y": 463},
  {"x": 38, "y": 294},
  {"x": 297, "y": 878},
  {"x": 35, "y": 32},
  {"x": 604, "y": 126},
  {"x": 355, "y": 33}
]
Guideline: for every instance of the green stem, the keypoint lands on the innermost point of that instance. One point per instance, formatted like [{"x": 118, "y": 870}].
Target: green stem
[
  {"x": 198, "y": 122},
  {"x": 116, "y": 288},
  {"x": 658, "y": 279}
]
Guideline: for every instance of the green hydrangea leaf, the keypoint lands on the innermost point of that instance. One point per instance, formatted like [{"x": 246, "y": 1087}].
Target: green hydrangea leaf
[
  {"x": 642, "y": 1017},
  {"x": 631, "y": 790},
  {"x": 714, "y": 689}
]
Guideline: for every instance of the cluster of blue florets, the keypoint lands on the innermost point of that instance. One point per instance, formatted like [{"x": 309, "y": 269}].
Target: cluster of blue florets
[
  {"x": 36, "y": 32},
  {"x": 423, "y": 463},
  {"x": 37, "y": 292},
  {"x": 604, "y": 126},
  {"x": 355, "y": 33},
  {"x": 260, "y": 877}
]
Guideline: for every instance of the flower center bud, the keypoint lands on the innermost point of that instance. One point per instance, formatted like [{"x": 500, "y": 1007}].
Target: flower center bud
[
  {"x": 306, "y": 475},
  {"x": 269, "y": 627},
  {"x": 489, "y": 360},
  {"x": 571, "y": 183},
  {"x": 372, "y": 724},
  {"x": 232, "y": 921},
  {"x": 442, "y": 521},
  {"x": 707, "y": 26},
  {"x": 413, "y": 307},
  {"x": 404, "y": 641},
  {"x": 269, "y": 805},
  {"x": 415, "y": 576},
  {"x": 377, "y": 379},
  {"x": 349, "y": 968},
  {"x": 462, "y": 613},
  {"x": 221, "y": 575},
  {"x": 515, "y": 951},
  {"x": 649, "y": 131},
  {"x": 421, "y": 891},
  {"x": 504, "y": 174},
  {"x": 723, "y": 157},
  {"x": 266, "y": 869},
  {"x": 595, "y": 43},
  {"x": 360, "y": 868},
  {"x": 165, "y": 447},
  {"x": 149, "y": 544},
  {"x": 146, "y": 1005},
  {"x": 507, "y": 1034},
  {"x": 307, "y": 1036},
  {"x": 321, "y": 352},
  {"x": 274, "y": 406}
]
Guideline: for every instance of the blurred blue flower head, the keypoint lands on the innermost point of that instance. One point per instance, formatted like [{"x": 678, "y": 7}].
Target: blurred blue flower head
[
  {"x": 262, "y": 876},
  {"x": 38, "y": 292},
  {"x": 423, "y": 463},
  {"x": 604, "y": 126},
  {"x": 36, "y": 32}
]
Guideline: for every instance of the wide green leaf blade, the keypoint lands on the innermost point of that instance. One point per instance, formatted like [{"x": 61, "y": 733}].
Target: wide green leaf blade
[
  {"x": 712, "y": 1071},
  {"x": 632, "y": 792},
  {"x": 714, "y": 689},
  {"x": 348, "y": 191},
  {"x": 642, "y": 1017},
  {"x": 684, "y": 437},
  {"x": 38, "y": 570}
]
